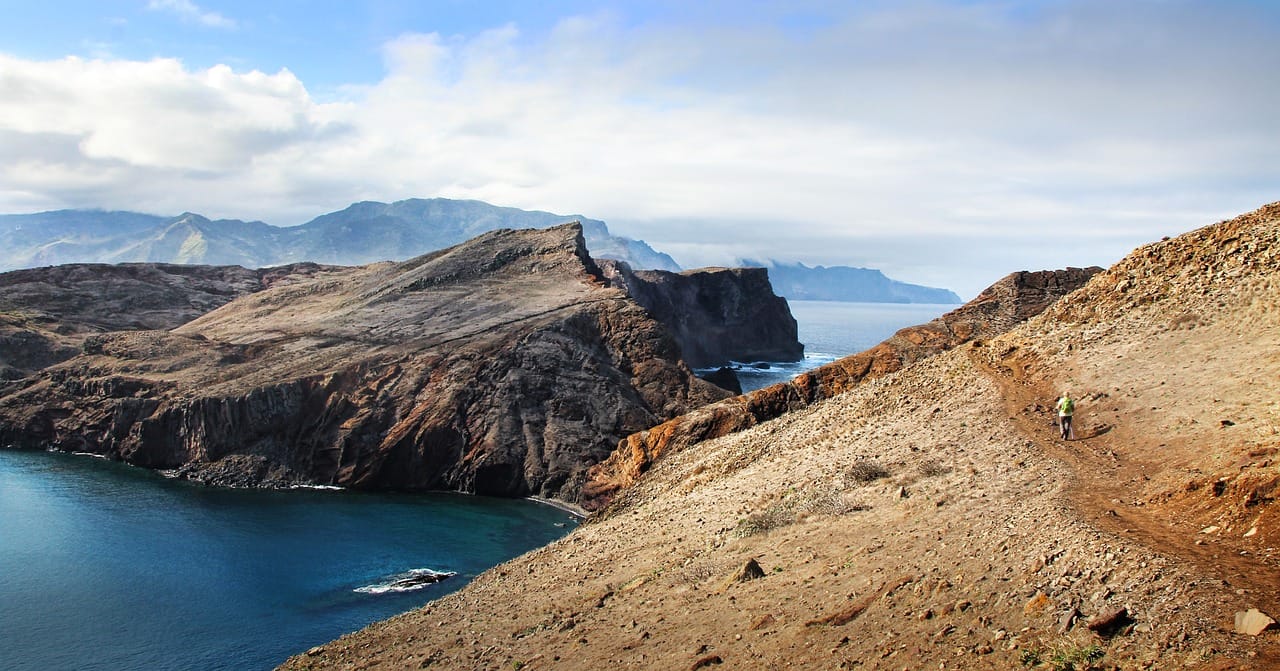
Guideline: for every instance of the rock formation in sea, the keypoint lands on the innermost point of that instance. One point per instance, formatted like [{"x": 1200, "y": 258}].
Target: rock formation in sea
[
  {"x": 1008, "y": 302},
  {"x": 505, "y": 366}
]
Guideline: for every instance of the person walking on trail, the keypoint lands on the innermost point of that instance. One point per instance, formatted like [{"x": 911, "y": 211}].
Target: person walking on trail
[{"x": 1066, "y": 408}]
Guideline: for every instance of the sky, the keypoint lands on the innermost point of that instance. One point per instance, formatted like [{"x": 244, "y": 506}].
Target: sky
[{"x": 947, "y": 143}]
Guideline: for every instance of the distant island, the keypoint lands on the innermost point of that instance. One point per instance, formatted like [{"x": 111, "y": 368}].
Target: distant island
[{"x": 843, "y": 283}]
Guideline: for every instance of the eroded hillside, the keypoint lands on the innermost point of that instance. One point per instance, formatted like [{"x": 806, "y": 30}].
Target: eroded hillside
[{"x": 930, "y": 518}]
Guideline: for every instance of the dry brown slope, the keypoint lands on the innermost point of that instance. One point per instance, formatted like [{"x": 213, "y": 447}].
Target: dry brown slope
[{"x": 970, "y": 553}]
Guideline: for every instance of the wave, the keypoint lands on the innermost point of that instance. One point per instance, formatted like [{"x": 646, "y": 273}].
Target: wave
[
  {"x": 757, "y": 374},
  {"x": 327, "y": 488},
  {"x": 409, "y": 581}
]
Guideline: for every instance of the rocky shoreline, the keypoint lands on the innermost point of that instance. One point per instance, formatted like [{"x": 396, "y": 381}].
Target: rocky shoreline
[{"x": 504, "y": 366}]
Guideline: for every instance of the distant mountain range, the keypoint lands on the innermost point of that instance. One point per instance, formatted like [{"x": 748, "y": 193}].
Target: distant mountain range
[
  {"x": 362, "y": 233},
  {"x": 843, "y": 283},
  {"x": 369, "y": 231}
]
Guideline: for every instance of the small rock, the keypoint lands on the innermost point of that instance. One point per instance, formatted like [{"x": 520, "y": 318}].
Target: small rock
[
  {"x": 902, "y": 493},
  {"x": 1065, "y": 622},
  {"x": 709, "y": 660},
  {"x": 747, "y": 572},
  {"x": 1110, "y": 622},
  {"x": 1253, "y": 622},
  {"x": 763, "y": 621},
  {"x": 1036, "y": 605},
  {"x": 319, "y": 649},
  {"x": 1209, "y": 530}
]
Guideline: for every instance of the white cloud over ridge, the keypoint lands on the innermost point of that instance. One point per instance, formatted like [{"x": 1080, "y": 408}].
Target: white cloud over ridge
[{"x": 944, "y": 145}]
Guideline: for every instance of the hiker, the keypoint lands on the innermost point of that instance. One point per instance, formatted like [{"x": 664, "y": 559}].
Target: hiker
[{"x": 1066, "y": 408}]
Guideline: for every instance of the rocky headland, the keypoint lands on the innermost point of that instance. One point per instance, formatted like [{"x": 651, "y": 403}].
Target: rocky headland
[
  {"x": 718, "y": 315},
  {"x": 930, "y": 517},
  {"x": 506, "y": 365}
]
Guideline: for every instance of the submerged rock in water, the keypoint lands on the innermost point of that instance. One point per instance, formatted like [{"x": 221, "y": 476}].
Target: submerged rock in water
[{"x": 409, "y": 581}]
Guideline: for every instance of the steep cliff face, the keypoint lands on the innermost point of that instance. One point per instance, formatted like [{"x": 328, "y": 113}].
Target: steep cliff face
[
  {"x": 505, "y": 365},
  {"x": 717, "y": 315},
  {"x": 1001, "y": 306}
]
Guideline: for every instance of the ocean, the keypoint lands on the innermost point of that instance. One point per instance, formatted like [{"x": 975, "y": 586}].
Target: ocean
[
  {"x": 111, "y": 567},
  {"x": 831, "y": 330},
  {"x": 108, "y": 567}
]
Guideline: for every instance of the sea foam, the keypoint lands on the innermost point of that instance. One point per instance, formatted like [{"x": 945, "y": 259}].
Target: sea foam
[{"x": 409, "y": 581}]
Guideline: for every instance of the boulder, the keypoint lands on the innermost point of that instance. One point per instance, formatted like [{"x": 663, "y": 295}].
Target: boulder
[{"x": 1253, "y": 622}]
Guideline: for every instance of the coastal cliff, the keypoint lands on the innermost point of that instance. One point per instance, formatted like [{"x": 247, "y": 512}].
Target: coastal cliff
[
  {"x": 718, "y": 315},
  {"x": 933, "y": 518},
  {"x": 1001, "y": 306},
  {"x": 504, "y": 366}
]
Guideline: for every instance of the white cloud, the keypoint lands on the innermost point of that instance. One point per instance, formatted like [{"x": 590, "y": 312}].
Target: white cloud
[
  {"x": 189, "y": 11},
  {"x": 943, "y": 145}
]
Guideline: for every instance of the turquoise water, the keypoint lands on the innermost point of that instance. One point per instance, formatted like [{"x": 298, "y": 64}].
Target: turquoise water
[
  {"x": 833, "y": 329},
  {"x": 105, "y": 566}
]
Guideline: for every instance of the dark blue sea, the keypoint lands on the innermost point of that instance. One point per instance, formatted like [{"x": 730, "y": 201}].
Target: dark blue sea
[
  {"x": 831, "y": 330},
  {"x": 105, "y": 566}
]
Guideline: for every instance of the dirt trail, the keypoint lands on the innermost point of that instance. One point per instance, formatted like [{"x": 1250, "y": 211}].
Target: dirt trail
[{"x": 1106, "y": 467}]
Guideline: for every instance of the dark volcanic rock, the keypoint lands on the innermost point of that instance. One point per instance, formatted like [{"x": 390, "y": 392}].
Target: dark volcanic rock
[
  {"x": 1003, "y": 305},
  {"x": 717, "y": 315},
  {"x": 505, "y": 366},
  {"x": 725, "y": 378}
]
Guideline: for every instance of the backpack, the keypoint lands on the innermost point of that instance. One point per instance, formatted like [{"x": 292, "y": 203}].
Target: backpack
[{"x": 1067, "y": 406}]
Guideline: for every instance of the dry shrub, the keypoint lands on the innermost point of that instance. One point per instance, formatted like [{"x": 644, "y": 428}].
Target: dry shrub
[
  {"x": 830, "y": 502},
  {"x": 775, "y": 517},
  {"x": 1185, "y": 321},
  {"x": 865, "y": 471},
  {"x": 932, "y": 467}
]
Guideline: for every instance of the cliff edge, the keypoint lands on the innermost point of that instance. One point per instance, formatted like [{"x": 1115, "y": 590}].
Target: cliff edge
[
  {"x": 502, "y": 366},
  {"x": 931, "y": 518}
]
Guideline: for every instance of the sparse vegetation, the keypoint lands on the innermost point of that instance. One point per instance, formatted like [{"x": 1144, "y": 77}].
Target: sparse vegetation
[
  {"x": 932, "y": 468},
  {"x": 793, "y": 507},
  {"x": 775, "y": 517},
  {"x": 1064, "y": 657},
  {"x": 829, "y": 502},
  {"x": 865, "y": 471}
]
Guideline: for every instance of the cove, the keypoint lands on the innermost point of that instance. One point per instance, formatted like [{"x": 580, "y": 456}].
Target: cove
[{"x": 106, "y": 566}]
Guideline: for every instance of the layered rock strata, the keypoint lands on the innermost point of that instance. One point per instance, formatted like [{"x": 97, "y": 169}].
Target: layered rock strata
[
  {"x": 1003, "y": 305},
  {"x": 504, "y": 366}
]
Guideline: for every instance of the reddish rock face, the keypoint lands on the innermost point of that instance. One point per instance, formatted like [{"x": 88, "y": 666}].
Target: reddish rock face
[
  {"x": 1001, "y": 306},
  {"x": 505, "y": 366}
]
